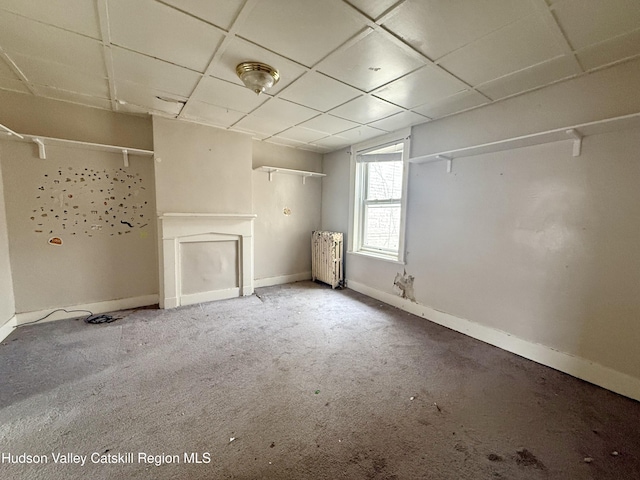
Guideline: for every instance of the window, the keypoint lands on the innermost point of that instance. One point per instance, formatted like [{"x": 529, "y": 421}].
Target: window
[{"x": 379, "y": 188}]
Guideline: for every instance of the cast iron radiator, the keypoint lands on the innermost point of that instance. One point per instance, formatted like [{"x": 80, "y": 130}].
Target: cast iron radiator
[{"x": 326, "y": 258}]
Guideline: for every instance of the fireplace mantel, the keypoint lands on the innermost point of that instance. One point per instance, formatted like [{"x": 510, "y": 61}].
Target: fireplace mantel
[{"x": 179, "y": 232}]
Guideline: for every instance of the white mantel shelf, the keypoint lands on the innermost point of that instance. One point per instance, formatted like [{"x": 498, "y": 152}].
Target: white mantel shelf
[
  {"x": 302, "y": 173},
  {"x": 229, "y": 216},
  {"x": 573, "y": 132}
]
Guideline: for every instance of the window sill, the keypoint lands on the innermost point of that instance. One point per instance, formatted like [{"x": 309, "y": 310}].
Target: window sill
[{"x": 377, "y": 257}]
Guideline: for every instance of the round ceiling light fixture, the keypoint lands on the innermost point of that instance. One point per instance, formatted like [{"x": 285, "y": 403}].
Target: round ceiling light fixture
[{"x": 257, "y": 76}]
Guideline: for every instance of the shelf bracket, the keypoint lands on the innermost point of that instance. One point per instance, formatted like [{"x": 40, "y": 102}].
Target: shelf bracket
[
  {"x": 271, "y": 172},
  {"x": 577, "y": 141},
  {"x": 125, "y": 157},
  {"x": 42, "y": 153},
  {"x": 449, "y": 162}
]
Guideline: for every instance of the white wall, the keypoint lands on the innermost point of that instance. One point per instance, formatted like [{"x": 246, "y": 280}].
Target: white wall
[
  {"x": 335, "y": 192},
  {"x": 596, "y": 96},
  {"x": 103, "y": 213},
  {"x": 201, "y": 169},
  {"x": 7, "y": 303},
  {"x": 530, "y": 243},
  {"x": 283, "y": 241},
  {"x": 51, "y": 118},
  {"x": 84, "y": 270}
]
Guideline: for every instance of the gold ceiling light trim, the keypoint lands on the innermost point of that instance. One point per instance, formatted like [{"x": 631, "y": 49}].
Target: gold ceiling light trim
[{"x": 257, "y": 76}]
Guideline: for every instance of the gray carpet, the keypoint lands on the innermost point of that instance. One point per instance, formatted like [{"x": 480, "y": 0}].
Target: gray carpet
[{"x": 311, "y": 384}]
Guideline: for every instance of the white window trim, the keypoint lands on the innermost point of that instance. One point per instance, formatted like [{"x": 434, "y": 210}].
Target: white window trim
[{"x": 355, "y": 185}]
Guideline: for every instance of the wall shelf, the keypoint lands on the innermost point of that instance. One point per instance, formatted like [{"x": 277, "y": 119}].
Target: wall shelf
[
  {"x": 42, "y": 142},
  {"x": 302, "y": 173},
  {"x": 575, "y": 133}
]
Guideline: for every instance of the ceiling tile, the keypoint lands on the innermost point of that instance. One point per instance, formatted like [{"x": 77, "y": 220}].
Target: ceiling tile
[
  {"x": 13, "y": 84},
  {"x": 398, "y": 121},
  {"x": 132, "y": 109},
  {"x": 55, "y": 75},
  {"x": 316, "y": 148},
  {"x": 218, "y": 116},
  {"x": 440, "y": 27},
  {"x": 78, "y": 16},
  {"x": 228, "y": 95},
  {"x": 372, "y": 8},
  {"x": 153, "y": 73},
  {"x": 453, "y": 104},
  {"x": 238, "y": 51},
  {"x": 369, "y": 63},
  {"x": 146, "y": 97},
  {"x": 362, "y": 133},
  {"x": 522, "y": 44},
  {"x": 332, "y": 143},
  {"x": 72, "y": 97},
  {"x": 427, "y": 85},
  {"x": 261, "y": 127},
  {"x": 586, "y": 22},
  {"x": 299, "y": 30},
  {"x": 319, "y": 91},
  {"x": 218, "y": 12},
  {"x": 365, "y": 109},
  {"x": 154, "y": 29},
  {"x": 613, "y": 50},
  {"x": 253, "y": 134},
  {"x": 329, "y": 124},
  {"x": 533, "y": 77},
  {"x": 285, "y": 141},
  {"x": 302, "y": 134},
  {"x": 283, "y": 111},
  {"x": 20, "y": 35}
]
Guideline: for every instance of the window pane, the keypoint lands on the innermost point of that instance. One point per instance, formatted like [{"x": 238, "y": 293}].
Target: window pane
[
  {"x": 382, "y": 227},
  {"x": 384, "y": 180}
]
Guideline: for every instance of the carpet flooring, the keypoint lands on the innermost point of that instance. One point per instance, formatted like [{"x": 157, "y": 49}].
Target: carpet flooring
[{"x": 296, "y": 382}]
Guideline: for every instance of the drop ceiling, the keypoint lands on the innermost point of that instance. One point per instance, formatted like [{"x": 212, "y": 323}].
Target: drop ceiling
[{"x": 350, "y": 70}]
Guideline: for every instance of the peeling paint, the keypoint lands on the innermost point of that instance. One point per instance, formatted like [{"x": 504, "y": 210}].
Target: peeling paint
[{"x": 404, "y": 283}]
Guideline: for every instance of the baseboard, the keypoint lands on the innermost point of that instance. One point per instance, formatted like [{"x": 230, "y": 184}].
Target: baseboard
[
  {"x": 270, "y": 281},
  {"x": 7, "y": 328},
  {"x": 193, "y": 298},
  {"x": 99, "y": 307},
  {"x": 579, "y": 367}
]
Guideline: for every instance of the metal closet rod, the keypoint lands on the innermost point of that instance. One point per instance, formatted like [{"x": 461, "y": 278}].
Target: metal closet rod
[{"x": 41, "y": 142}]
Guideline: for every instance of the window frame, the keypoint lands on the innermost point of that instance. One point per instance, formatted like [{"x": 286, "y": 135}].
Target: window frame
[{"x": 357, "y": 204}]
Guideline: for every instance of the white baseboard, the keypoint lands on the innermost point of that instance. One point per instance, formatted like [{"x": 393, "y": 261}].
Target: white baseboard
[
  {"x": 270, "y": 281},
  {"x": 7, "y": 328},
  {"x": 193, "y": 298},
  {"x": 576, "y": 366},
  {"x": 99, "y": 307}
]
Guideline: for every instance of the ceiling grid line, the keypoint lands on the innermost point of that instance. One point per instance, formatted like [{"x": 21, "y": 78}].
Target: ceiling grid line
[
  {"x": 399, "y": 42},
  {"x": 103, "y": 19},
  {"x": 349, "y": 69},
  {"x": 552, "y": 22},
  {"x": 15, "y": 69},
  {"x": 246, "y": 9}
]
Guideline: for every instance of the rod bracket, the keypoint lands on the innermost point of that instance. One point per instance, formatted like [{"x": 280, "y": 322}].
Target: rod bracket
[
  {"x": 42, "y": 153},
  {"x": 577, "y": 141},
  {"x": 449, "y": 162},
  {"x": 125, "y": 157}
]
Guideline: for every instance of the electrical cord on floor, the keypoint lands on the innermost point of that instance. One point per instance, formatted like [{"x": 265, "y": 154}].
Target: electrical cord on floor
[
  {"x": 93, "y": 319},
  {"x": 98, "y": 319}
]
